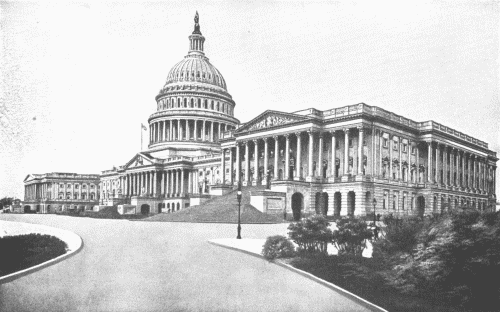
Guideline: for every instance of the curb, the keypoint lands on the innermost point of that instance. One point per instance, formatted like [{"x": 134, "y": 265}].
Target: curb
[
  {"x": 342, "y": 291},
  {"x": 19, "y": 274}
]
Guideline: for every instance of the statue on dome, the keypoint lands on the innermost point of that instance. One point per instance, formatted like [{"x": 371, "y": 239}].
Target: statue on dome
[{"x": 196, "y": 25}]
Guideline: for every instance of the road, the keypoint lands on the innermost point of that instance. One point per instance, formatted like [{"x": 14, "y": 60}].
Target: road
[{"x": 147, "y": 266}]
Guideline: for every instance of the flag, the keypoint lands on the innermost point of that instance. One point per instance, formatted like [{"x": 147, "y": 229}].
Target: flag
[{"x": 143, "y": 127}]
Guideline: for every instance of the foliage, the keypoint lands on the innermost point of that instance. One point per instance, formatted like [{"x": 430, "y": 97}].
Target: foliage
[
  {"x": 6, "y": 201},
  {"x": 25, "y": 251},
  {"x": 350, "y": 236},
  {"x": 311, "y": 234},
  {"x": 399, "y": 235},
  {"x": 278, "y": 246},
  {"x": 456, "y": 259}
]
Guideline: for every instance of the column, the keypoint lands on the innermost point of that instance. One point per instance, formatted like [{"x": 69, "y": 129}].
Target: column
[
  {"x": 195, "y": 135},
  {"x": 167, "y": 184},
  {"x": 276, "y": 154},
  {"x": 256, "y": 161},
  {"x": 437, "y": 180},
  {"x": 172, "y": 183},
  {"x": 469, "y": 171},
  {"x": 247, "y": 162},
  {"x": 190, "y": 182},
  {"x": 400, "y": 145},
  {"x": 445, "y": 165},
  {"x": 320, "y": 156},
  {"x": 203, "y": 137},
  {"x": 155, "y": 177},
  {"x": 452, "y": 166},
  {"x": 188, "y": 130},
  {"x": 381, "y": 160},
  {"x": 334, "y": 158},
  {"x": 238, "y": 163},
  {"x": 417, "y": 163},
  {"x": 211, "y": 131},
  {"x": 346, "y": 151},
  {"x": 391, "y": 142},
  {"x": 474, "y": 165},
  {"x": 219, "y": 136},
  {"x": 165, "y": 138},
  {"x": 162, "y": 184},
  {"x": 182, "y": 182},
  {"x": 266, "y": 158},
  {"x": 298, "y": 163},
  {"x": 286, "y": 174},
  {"x": 176, "y": 182},
  {"x": 429, "y": 162},
  {"x": 462, "y": 171},
  {"x": 223, "y": 166},
  {"x": 311, "y": 148},
  {"x": 360, "y": 150},
  {"x": 231, "y": 182}
]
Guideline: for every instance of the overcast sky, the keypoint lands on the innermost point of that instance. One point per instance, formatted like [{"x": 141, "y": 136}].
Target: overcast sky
[{"x": 77, "y": 80}]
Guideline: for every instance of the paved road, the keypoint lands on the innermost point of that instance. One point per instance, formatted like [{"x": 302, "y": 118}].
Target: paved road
[{"x": 146, "y": 266}]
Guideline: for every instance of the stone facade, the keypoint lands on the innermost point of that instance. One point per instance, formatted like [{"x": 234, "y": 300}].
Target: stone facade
[
  {"x": 356, "y": 159},
  {"x": 56, "y": 191}
]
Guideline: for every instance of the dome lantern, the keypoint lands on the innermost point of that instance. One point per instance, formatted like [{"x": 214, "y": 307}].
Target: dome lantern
[{"x": 196, "y": 40}]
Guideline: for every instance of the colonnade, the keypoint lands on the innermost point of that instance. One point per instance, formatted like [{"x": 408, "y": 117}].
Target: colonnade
[
  {"x": 186, "y": 130},
  {"x": 184, "y": 102},
  {"x": 160, "y": 183},
  {"x": 459, "y": 168},
  {"x": 275, "y": 150},
  {"x": 52, "y": 190},
  {"x": 454, "y": 166}
]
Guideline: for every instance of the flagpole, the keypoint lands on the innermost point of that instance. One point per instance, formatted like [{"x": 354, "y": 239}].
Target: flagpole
[{"x": 141, "y": 137}]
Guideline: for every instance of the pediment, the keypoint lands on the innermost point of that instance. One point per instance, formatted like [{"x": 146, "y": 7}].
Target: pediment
[
  {"x": 139, "y": 160},
  {"x": 270, "y": 119},
  {"x": 28, "y": 178}
]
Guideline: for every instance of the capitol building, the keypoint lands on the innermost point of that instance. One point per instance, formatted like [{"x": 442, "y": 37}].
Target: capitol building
[{"x": 351, "y": 160}]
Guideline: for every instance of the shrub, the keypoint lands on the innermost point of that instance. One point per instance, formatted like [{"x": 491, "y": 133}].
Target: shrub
[
  {"x": 456, "y": 259},
  {"x": 24, "y": 251},
  {"x": 399, "y": 235},
  {"x": 311, "y": 234},
  {"x": 350, "y": 236},
  {"x": 278, "y": 246}
]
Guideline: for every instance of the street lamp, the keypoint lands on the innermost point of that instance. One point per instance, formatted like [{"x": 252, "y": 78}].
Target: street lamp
[
  {"x": 238, "y": 196},
  {"x": 374, "y": 216}
]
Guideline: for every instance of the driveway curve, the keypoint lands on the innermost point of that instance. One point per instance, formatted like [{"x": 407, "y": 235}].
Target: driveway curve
[{"x": 150, "y": 266}]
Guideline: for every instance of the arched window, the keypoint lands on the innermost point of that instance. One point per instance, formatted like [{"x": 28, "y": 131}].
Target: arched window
[
  {"x": 212, "y": 105},
  {"x": 199, "y": 103},
  {"x": 185, "y": 102},
  {"x": 205, "y": 105},
  {"x": 178, "y": 102},
  {"x": 192, "y": 103},
  {"x": 217, "y": 106}
]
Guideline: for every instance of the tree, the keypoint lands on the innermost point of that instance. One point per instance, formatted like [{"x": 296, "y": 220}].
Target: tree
[
  {"x": 311, "y": 234},
  {"x": 6, "y": 201},
  {"x": 350, "y": 236}
]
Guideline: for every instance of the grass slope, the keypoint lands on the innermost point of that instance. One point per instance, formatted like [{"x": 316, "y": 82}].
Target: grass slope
[{"x": 222, "y": 209}]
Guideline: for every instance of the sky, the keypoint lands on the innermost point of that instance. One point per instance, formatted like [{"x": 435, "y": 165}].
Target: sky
[{"x": 78, "y": 79}]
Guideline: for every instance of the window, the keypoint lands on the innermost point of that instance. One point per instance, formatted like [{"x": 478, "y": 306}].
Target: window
[
  {"x": 394, "y": 201},
  {"x": 61, "y": 185},
  {"x": 395, "y": 145},
  {"x": 69, "y": 185},
  {"x": 350, "y": 142},
  {"x": 413, "y": 150},
  {"x": 385, "y": 142},
  {"x": 404, "y": 148},
  {"x": 84, "y": 186},
  {"x": 364, "y": 142},
  {"x": 76, "y": 186}
]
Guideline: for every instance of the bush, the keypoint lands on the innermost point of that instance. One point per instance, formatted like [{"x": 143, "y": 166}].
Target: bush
[
  {"x": 24, "y": 251},
  {"x": 399, "y": 235},
  {"x": 311, "y": 234},
  {"x": 350, "y": 236},
  {"x": 278, "y": 246},
  {"x": 456, "y": 259}
]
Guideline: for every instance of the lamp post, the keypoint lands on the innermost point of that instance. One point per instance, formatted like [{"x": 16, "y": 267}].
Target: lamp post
[
  {"x": 238, "y": 196},
  {"x": 374, "y": 215}
]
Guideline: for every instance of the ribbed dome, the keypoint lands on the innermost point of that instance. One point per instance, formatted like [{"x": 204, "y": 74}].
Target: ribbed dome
[{"x": 197, "y": 68}]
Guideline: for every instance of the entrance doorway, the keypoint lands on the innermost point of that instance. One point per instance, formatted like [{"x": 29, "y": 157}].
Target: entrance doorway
[
  {"x": 351, "y": 203},
  {"x": 420, "y": 206},
  {"x": 297, "y": 204},
  {"x": 27, "y": 209},
  {"x": 337, "y": 203},
  {"x": 145, "y": 209},
  {"x": 322, "y": 203}
]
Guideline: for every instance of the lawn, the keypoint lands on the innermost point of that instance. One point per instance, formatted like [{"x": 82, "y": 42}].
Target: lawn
[{"x": 23, "y": 251}]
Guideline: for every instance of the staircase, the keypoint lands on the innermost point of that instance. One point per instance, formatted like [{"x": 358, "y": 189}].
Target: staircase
[{"x": 222, "y": 209}]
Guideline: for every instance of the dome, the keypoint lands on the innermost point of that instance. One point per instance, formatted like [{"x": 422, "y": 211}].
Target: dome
[{"x": 195, "y": 68}]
